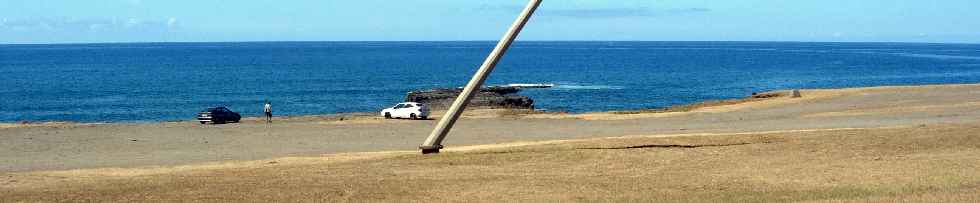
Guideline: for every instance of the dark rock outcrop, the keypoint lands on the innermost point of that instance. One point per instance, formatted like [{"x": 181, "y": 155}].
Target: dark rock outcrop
[{"x": 488, "y": 97}]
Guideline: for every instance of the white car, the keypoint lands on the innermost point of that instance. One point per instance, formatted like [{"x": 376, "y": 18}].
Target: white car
[{"x": 411, "y": 110}]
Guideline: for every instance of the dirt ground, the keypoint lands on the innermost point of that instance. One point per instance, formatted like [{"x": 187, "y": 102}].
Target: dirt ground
[
  {"x": 66, "y": 146},
  {"x": 867, "y": 144},
  {"x": 933, "y": 163}
]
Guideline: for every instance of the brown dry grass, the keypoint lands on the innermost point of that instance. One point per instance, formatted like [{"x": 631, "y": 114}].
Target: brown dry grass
[
  {"x": 896, "y": 109},
  {"x": 762, "y": 99},
  {"x": 706, "y": 104},
  {"x": 918, "y": 163}
]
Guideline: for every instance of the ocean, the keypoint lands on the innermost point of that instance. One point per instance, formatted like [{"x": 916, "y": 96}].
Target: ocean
[{"x": 148, "y": 82}]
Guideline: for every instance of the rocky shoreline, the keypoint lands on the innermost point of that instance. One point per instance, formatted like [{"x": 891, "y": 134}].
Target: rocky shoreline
[{"x": 488, "y": 97}]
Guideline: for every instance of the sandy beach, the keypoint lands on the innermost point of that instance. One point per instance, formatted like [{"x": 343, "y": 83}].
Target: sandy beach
[{"x": 865, "y": 144}]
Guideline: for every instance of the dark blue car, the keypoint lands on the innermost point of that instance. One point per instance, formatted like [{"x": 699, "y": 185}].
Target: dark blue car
[{"x": 218, "y": 115}]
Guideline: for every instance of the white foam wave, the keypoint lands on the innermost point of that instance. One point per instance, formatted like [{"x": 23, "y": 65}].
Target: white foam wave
[
  {"x": 531, "y": 85},
  {"x": 586, "y": 87}
]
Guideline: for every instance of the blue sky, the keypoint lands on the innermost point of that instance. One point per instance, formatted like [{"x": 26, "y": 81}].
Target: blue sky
[{"x": 73, "y": 21}]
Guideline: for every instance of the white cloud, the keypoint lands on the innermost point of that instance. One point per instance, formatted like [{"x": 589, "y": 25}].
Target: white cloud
[
  {"x": 96, "y": 26},
  {"x": 76, "y": 25},
  {"x": 172, "y": 22},
  {"x": 45, "y": 26},
  {"x": 69, "y": 29},
  {"x": 133, "y": 22},
  {"x": 623, "y": 12},
  {"x": 601, "y": 12}
]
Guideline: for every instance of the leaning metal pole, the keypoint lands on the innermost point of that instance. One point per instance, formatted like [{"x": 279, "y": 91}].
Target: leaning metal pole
[{"x": 434, "y": 142}]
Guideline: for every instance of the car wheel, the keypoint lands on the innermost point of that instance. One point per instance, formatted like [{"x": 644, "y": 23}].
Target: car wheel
[
  {"x": 412, "y": 116},
  {"x": 387, "y": 115},
  {"x": 425, "y": 118}
]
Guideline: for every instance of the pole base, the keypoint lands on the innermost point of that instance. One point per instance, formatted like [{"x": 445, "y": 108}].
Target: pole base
[{"x": 430, "y": 149}]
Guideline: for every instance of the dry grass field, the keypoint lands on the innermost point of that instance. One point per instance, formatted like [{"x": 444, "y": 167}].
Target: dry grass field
[{"x": 932, "y": 163}]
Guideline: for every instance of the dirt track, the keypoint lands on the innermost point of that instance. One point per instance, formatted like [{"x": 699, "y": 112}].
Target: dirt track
[{"x": 77, "y": 146}]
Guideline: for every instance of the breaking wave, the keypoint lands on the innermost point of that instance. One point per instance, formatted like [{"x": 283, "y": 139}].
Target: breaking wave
[{"x": 586, "y": 87}]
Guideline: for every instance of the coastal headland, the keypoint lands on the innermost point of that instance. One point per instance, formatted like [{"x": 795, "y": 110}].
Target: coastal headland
[{"x": 898, "y": 143}]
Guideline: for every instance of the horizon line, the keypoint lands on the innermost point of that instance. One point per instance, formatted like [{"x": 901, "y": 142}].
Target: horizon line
[{"x": 309, "y": 41}]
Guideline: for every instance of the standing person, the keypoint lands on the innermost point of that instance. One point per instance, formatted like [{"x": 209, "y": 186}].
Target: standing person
[{"x": 268, "y": 111}]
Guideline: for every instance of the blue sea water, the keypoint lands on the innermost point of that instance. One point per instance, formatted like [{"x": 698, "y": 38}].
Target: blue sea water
[{"x": 137, "y": 82}]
